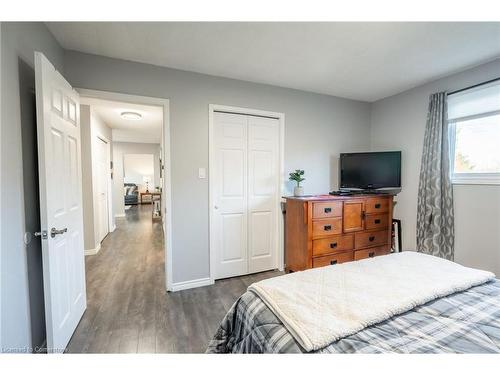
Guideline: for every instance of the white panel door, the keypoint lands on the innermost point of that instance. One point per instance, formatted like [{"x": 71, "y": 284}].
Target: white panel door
[
  {"x": 245, "y": 179},
  {"x": 59, "y": 163},
  {"x": 101, "y": 166},
  {"x": 230, "y": 191},
  {"x": 263, "y": 184}
]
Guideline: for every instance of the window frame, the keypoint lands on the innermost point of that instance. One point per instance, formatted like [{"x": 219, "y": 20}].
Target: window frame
[{"x": 469, "y": 178}]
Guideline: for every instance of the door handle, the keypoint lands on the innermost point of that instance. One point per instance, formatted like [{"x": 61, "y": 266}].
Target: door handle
[{"x": 54, "y": 232}]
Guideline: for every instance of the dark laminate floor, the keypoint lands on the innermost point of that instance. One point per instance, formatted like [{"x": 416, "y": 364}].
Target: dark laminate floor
[{"x": 128, "y": 310}]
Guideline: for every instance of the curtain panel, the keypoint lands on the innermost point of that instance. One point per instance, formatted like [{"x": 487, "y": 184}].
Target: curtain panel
[{"x": 435, "y": 219}]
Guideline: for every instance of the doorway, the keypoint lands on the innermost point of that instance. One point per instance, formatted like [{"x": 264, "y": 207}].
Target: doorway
[
  {"x": 131, "y": 140},
  {"x": 246, "y": 184}
]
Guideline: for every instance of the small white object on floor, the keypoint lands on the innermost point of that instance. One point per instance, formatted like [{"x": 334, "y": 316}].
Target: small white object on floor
[
  {"x": 127, "y": 207},
  {"x": 322, "y": 305}
]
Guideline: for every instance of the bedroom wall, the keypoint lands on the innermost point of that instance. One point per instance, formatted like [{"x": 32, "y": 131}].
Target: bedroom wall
[
  {"x": 398, "y": 123},
  {"x": 22, "y": 315},
  {"x": 318, "y": 128},
  {"x": 119, "y": 150}
]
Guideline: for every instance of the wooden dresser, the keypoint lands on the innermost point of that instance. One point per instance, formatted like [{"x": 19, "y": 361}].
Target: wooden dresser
[{"x": 323, "y": 230}]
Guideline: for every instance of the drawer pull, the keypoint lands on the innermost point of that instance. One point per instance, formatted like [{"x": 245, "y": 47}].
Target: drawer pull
[
  {"x": 328, "y": 210},
  {"x": 333, "y": 262},
  {"x": 327, "y": 227},
  {"x": 377, "y": 221},
  {"x": 371, "y": 238},
  {"x": 377, "y": 205},
  {"x": 333, "y": 245},
  {"x": 372, "y": 254}
]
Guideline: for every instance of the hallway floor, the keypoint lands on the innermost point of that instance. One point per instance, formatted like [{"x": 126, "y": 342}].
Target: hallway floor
[{"x": 128, "y": 309}]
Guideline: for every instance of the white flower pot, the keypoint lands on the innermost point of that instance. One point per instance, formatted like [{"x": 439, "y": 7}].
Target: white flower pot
[{"x": 298, "y": 191}]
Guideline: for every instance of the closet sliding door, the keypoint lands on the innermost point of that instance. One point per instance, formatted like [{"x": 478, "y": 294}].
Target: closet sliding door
[{"x": 245, "y": 181}]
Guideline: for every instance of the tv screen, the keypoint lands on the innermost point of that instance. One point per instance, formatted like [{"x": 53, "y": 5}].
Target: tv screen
[{"x": 370, "y": 170}]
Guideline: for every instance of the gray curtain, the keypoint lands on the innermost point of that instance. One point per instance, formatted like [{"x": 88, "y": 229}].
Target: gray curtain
[{"x": 435, "y": 225}]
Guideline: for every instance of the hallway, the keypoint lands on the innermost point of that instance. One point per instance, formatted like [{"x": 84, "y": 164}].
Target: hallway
[{"x": 128, "y": 309}]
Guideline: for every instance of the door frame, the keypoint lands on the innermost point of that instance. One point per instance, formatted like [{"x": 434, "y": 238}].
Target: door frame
[
  {"x": 212, "y": 108},
  {"x": 166, "y": 161}
]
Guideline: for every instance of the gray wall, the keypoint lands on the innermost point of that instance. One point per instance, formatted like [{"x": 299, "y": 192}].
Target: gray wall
[
  {"x": 21, "y": 278},
  {"x": 87, "y": 188},
  {"x": 317, "y": 128},
  {"x": 123, "y": 148},
  {"x": 398, "y": 123}
]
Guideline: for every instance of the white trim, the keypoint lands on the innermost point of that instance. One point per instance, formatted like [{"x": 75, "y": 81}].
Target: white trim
[
  {"x": 191, "y": 284},
  {"x": 166, "y": 158},
  {"x": 93, "y": 251},
  {"x": 245, "y": 111},
  {"x": 113, "y": 228},
  {"x": 475, "y": 178}
]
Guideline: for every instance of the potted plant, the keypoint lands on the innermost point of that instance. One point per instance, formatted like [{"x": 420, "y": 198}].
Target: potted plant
[{"x": 297, "y": 176}]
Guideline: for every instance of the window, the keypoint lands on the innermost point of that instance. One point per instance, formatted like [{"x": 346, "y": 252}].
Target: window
[{"x": 474, "y": 122}]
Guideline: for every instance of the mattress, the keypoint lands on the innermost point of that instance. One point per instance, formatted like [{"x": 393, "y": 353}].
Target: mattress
[{"x": 463, "y": 322}]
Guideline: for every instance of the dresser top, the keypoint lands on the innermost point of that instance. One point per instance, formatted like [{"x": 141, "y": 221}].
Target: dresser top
[{"x": 328, "y": 197}]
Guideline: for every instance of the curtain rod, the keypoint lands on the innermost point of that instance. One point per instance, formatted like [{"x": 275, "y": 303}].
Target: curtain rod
[{"x": 473, "y": 86}]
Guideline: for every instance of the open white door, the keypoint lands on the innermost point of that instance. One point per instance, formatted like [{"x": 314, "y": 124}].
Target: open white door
[
  {"x": 61, "y": 217},
  {"x": 101, "y": 175}
]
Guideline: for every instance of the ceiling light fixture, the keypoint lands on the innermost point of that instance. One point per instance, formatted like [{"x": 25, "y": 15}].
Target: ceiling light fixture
[{"x": 131, "y": 115}]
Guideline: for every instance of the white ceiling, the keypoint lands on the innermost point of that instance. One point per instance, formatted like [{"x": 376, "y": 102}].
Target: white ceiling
[
  {"x": 363, "y": 61},
  {"x": 145, "y": 130}
]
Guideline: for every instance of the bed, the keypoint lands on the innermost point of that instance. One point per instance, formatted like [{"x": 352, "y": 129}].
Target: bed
[{"x": 467, "y": 321}]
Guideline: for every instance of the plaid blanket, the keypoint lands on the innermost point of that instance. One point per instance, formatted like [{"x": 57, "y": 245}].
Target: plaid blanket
[{"x": 465, "y": 322}]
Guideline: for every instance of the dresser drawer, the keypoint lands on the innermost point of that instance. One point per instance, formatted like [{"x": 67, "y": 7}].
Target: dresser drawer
[
  {"x": 333, "y": 259},
  {"x": 368, "y": 239},
  {"x": 377, "y": 205},
  {"x": 326, "y": 209},
  {"x": 371, "y": 252},
  {"x": 377, "y": 221},
  {"x": 326, "y": 227},
  {"x": 333, "y": 244}
]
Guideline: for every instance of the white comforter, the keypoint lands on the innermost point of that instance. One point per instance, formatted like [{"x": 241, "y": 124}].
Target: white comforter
[{"x": 325, "y": 304}]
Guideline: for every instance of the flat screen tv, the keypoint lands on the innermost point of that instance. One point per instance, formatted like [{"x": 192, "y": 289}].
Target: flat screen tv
[{"x": 370, "y": 170}]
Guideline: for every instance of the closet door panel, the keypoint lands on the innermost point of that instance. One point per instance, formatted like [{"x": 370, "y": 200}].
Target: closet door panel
[
  {"x": 231, "y": 190},
  {"x": 263, "y": 182}
]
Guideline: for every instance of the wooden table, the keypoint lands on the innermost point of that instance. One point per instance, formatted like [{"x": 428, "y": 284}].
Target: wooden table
[{"x": 152, "y": 194}]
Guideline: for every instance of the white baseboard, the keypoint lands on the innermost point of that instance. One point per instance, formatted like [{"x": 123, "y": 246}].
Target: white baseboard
[
  {"x": 120, "y": 215},
  {"x": 191, "y": 284},
  {"x": 113, "y": 228},
  {"x": 93, "y": 251}
]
